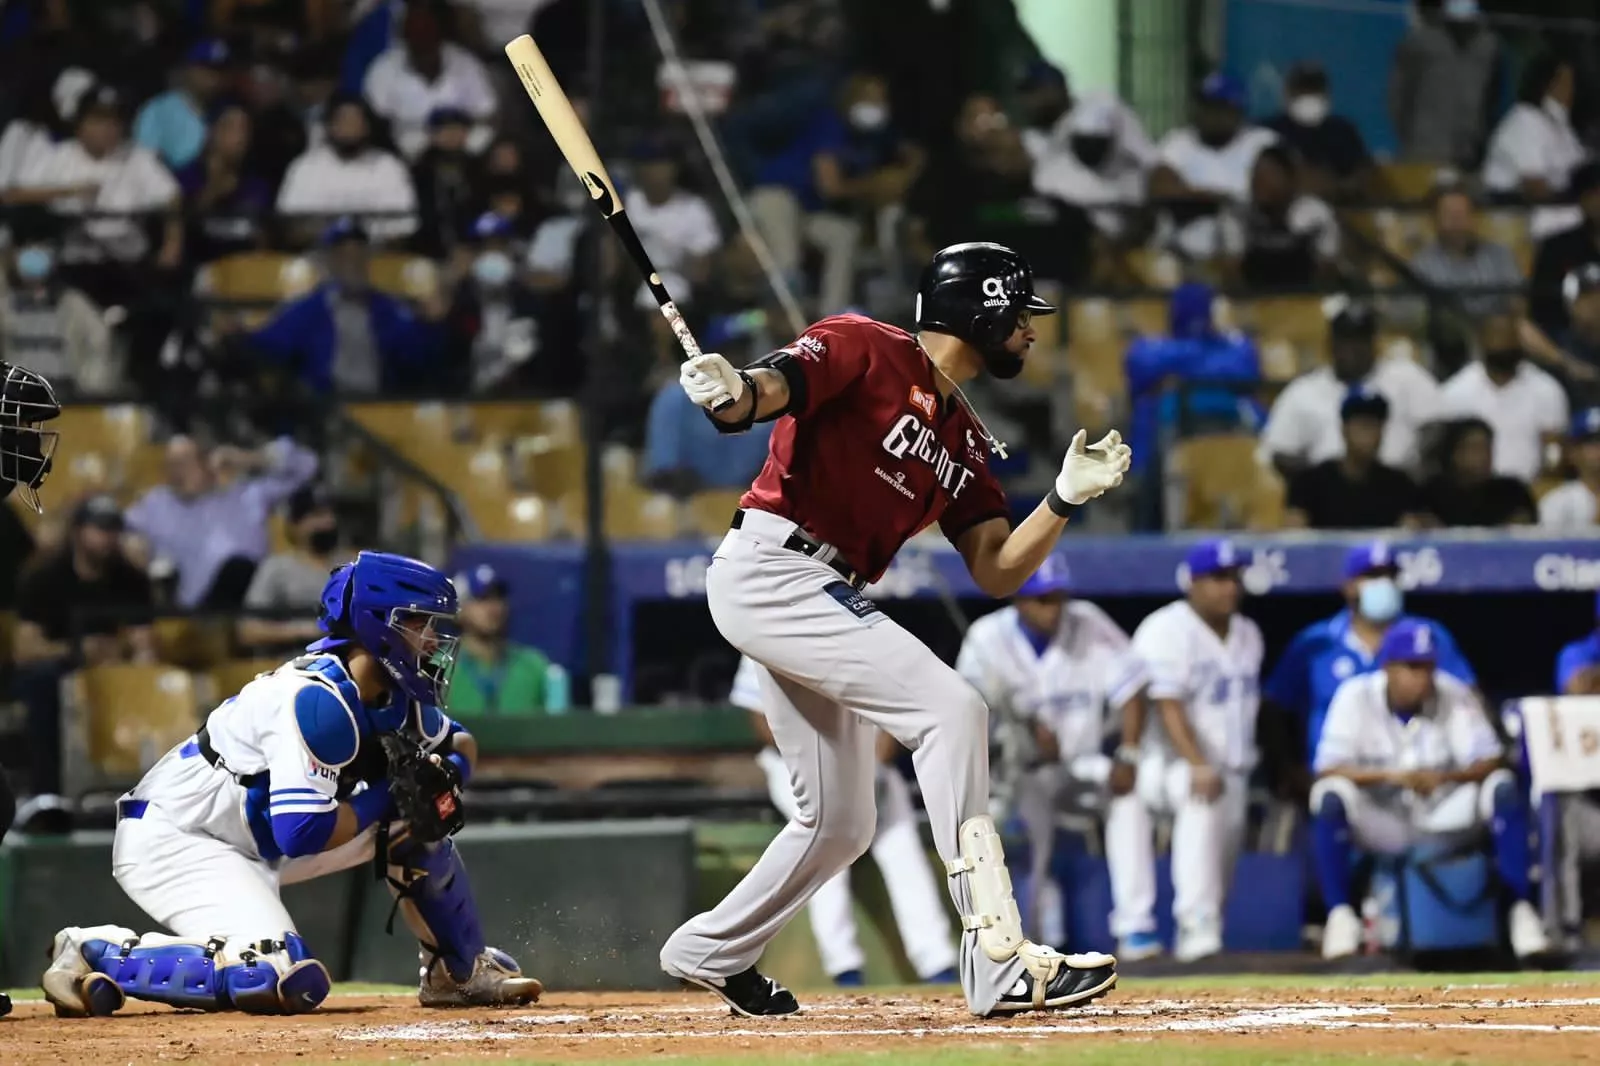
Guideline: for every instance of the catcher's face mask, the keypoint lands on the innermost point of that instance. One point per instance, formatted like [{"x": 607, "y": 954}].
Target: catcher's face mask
[
  {"x": 26, "y": 450},
  {"x": 430, "y": 641}
]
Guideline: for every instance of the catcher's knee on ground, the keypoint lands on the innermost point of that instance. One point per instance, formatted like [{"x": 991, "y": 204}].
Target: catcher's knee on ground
[
  {"x": 93, "y": 970},
  {"x": 434, "y": 897},
  {"x": 996, "y": 919}
]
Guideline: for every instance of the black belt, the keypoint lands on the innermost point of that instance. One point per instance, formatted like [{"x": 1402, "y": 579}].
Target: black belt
[
  {"x": 202, "y": 741},
  {"x": 799, "y": 542}
]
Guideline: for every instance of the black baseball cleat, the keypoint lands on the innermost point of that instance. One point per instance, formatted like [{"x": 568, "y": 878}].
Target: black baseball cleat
[
  {"x": 5, "y": 1004},
  {"x": 1072, "y": 986},
  {"x": 749, "y": 993}
]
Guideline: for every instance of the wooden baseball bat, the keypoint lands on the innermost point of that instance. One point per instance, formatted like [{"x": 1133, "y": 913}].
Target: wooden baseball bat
[{"x": 575, "y": 145}]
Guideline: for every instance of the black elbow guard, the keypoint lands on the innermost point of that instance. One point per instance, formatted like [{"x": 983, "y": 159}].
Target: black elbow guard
[{"x": 785, "y": 363}]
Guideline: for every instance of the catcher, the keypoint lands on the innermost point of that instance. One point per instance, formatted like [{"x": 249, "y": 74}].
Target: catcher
[{"x": 337, "y": 758}]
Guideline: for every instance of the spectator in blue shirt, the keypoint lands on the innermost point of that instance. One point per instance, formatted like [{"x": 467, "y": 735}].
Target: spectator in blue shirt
[
  {"x": 344, "y": 336},
  {"x": 848, "y": 162},
  {"x": 683, "y": 452},
  {"x": 173, "y": 124},
  {"x": 1578, "y": 665},
  {"x": 1219, "y": 365},
  {"x": 1325, "y": 654}
]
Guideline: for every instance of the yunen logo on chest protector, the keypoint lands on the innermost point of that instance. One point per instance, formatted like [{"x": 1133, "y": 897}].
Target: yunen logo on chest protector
[{"x": 909, "y": 437}]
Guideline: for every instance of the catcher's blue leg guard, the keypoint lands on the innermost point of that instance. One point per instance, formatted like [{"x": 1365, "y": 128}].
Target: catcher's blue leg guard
[
  {"x": 433, "y": 895},
  {"x": 268, "y": 977}
]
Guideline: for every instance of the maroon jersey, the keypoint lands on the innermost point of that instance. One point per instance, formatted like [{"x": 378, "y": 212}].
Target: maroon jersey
[{"x": 876, "y": 454}]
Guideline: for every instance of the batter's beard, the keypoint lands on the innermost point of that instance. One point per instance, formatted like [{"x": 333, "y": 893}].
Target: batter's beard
[{"x": 1003, "y": 364}]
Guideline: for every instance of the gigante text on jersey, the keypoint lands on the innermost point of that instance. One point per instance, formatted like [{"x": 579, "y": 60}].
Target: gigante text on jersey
[{"x": 909, "y": 437}]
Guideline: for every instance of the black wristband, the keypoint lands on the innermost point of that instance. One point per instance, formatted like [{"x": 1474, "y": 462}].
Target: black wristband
[
  {"x": 1059, "y": 507},
  {"x": 748, "y": 420}
]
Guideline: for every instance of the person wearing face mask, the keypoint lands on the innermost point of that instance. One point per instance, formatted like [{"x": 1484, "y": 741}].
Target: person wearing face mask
[
  {"x": 287, "y": 587},
  {"x": 1409, "y": 755},
  {"x": 1094, "y": 170},
  {"x": 500, "y": 330},
  {"x": 1335, "y": 163},
  {"x": 53, "y": 327},
  {"x": 1304, "y": 426},
  {"x": 848, "y": 163},
  {"x": 1321, "y": 657},
  {"x": 1052, "y": 121},
  {"x": 1534, "y": 149},
  {"x": 348, "y": 174},
  {"x": 1442, "y": 87},
  {"x": 1524, "y": 406},
  {"x": 449, "y": 181}
]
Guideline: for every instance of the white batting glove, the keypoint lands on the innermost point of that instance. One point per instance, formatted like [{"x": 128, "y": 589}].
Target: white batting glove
[
  {"x": 710, "y": 381},
  {"x": 1087, "y": 472}
]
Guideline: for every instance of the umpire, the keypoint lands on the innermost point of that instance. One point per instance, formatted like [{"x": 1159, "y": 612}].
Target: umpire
[{"x": 26, "y": 403}]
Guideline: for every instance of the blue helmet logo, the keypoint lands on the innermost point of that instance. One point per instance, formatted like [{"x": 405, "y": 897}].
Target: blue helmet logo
[{"x": 400, "y": 611}]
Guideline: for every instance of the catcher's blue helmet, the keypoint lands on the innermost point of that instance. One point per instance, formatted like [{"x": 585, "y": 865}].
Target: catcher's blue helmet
[{"x": 399, "y": 610}]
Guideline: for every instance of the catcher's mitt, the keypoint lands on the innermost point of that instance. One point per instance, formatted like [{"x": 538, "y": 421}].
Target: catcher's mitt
[{"x": 426, "y": 789}]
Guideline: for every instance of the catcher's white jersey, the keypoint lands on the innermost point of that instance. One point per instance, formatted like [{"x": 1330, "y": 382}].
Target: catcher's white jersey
[
  {"x": 1217, "y": 680},
  {"x": 1088, "y": 665},
  {"x": 269, "y": 767},
  {"x": 1361, "y": 731}
]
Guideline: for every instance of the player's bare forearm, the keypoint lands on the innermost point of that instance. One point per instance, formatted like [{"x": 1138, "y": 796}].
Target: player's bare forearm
[
  {"x": 1471, "y": 775},
  {"x": 345, "y": 827},
  {"x": 1133, "y": 716},
  {"x": 1000, "y": 558},
  {"x": 1176, "y": 722},
  {"x": 770, "y": 395},
  {"x": 1362, "y": 777}
]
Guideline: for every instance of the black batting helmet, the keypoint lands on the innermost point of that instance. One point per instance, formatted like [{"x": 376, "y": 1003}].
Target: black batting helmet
[
  {"x": 26, "y": 401},
  {"x": 979, "y": 292}
]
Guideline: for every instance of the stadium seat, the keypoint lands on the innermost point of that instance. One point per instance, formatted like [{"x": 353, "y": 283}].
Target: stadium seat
[
  {"x": 1293, "y": 321},
  {"x": 266, "y": 278},
  {"x": 1411, "y": 182},
  {"x": 8, "y": 632},
  {"x": 1145, "y": 318},
  {"x": 631, "y": 513},
  {"x": 411, "y": 277},
  {"x": 1220, "y": 484},
  {"x": 127, "y": 716},
  {"x": 191, "y": 642},
  {"x": 227, "y": 678},
  {"x": 1510, "y": 228}
]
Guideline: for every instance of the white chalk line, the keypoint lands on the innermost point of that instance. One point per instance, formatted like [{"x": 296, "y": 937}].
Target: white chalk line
[{"x": 1084, "y": 1021}]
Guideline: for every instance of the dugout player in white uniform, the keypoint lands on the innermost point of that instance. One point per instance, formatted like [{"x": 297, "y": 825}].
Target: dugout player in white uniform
[
  {"x": 1408, "y": 753},
  {"x": 872, "y": 444},
  {"x": 919, "y": 911},
  {"x": 1057, "y": 665},
  {"x": 26, "y": 402},
  {"x": 1204, "y": 661},
  {"x": 294, "y": 778}
]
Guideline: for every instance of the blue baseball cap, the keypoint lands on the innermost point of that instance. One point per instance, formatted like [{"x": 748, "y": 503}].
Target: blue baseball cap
[
  {"x": 490, "y": 225},
  {"x": 1586, "y": 424},
  {"x": 344, "y": 229},
  {"x": 1041, "y": 73},
  {"x": 1213, "y": 557},
  {"x": 1222, "y": 88},
  {"x": 209, "y": 52},
  {"x": 1192, "y": 312},
  {"x": 1364, "y": 401},
  {"x": 481, "y": 582},
  {"x": 1052, "y": 577},
  {"x": 1373, "y": 558},
  {"x": 1409, "y": 641}
]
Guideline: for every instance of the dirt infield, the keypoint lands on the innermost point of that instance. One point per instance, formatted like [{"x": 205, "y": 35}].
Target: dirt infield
[{"x": 1554, "y": 1022}]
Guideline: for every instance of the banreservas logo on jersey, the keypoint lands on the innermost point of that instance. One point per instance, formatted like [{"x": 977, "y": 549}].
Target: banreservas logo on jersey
[{"x": 909, "y": 437}]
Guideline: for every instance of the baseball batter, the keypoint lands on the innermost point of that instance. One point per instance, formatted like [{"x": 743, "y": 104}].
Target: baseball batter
[
  {"x": 309, "y": 769},
  {"x": 1056, "y": 665},
  {"x": 919, "y": 912},
  {"x": 1204, "y": 660},
  {"x": 874, "y": 442},
  {"x": 1408, "y": 753},
  {"x": 26, "y": 403}
]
